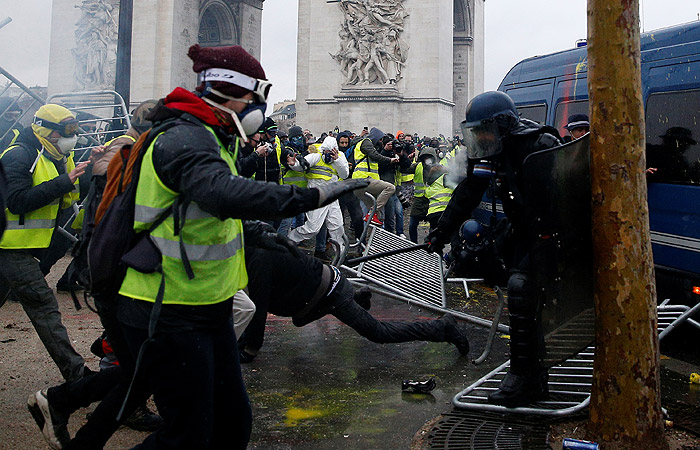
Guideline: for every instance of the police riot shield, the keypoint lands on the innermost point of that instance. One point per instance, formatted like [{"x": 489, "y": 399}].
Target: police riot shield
[{"x": 557, "y": 189}]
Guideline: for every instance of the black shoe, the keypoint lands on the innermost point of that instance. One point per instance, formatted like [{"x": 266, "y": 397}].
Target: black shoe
[
  {"x": 363, "y": 297},
  {"x": 519, "y": 390},
  {"x": 244, "y": 357},
  {"x": 53, "y": 425},
  {"x": 64, "y": 286},
  {"x": 419, "y": 387},
  {"x": 143, "y": 419},
  {"x": 455, "y": 335}
]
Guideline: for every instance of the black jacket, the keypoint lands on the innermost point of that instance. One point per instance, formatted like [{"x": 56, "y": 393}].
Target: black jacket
[
  {"x": 21, "y": 196},
  {"x": 526, "y": 138},
  {"x": 186, "y": 158},
  {"x": 258, "y": 167}
]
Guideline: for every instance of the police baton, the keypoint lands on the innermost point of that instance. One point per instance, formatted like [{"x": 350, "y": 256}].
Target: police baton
[{"x": 361, "y": 259}]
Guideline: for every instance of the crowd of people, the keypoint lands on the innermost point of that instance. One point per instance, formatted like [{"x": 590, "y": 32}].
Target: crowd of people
[
  {"x": 222, "y": 198},
  {"x": 221, "y": 201}
]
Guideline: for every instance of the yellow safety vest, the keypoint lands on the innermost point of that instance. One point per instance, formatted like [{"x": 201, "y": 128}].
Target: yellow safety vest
[
  {"x": 448, "y": 158},
  {"x": 213, "y": 246},
  {"x": 418, "y": 183},
  {"x": 364, "y": 167},
  {"x": 322, "y": 171},
  {"x": 34, "y": 229},
  {"x": 438, "y": 195},
  {"x": 294, "y": 178}
]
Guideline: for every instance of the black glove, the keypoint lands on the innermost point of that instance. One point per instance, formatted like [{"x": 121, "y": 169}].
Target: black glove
[
  {"x": 330, "y": 192},
  {"x": 263, "y": 235},
  {"x": 436, "y": 241}
]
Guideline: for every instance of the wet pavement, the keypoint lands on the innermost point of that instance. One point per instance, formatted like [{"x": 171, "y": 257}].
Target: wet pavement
[
  {"x": 325, "y": 387},
  {"x": 317, "y": 387}
]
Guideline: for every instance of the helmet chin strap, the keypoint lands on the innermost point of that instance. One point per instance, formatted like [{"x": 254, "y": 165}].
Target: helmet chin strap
[{"x": 234, "y": 116}]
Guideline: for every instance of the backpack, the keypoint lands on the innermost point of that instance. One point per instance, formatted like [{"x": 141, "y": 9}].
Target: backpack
[{"x": 113, "y": 235}]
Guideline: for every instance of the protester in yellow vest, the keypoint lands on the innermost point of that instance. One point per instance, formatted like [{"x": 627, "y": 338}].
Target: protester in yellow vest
[
  {"x": 41, "y": 179},
  {"x": 439, "y": 194},
  {"x": 325, "y": 167},
  {"x": 190, "y": 172},
  {"x": 425, "y": 171},
  {"x": 366, "y": 159}
]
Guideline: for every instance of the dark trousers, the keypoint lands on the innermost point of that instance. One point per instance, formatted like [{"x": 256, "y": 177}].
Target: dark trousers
[
  {"x": 343, "y": 306},
  {"x": 22, "y": 273},
  {"x": 197, "y": 385},
  {"x": 110, "y": 386},
  {"x": 352, "y": 204}
]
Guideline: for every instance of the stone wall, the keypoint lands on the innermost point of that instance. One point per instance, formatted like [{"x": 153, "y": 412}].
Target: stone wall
[
  {"x": 162, "y": 31},
  {"x": 423, "y": 98}
]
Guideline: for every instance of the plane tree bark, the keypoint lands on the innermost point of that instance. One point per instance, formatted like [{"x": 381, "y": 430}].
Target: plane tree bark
[{"x": 625, "y": 409}]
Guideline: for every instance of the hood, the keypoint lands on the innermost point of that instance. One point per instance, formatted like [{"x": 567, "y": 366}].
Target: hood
[
  {"x": 329, "y": 144},
  {"x": 182, "y": 101},
  {"x": 427, "y": 151},
  {"x": 375, "y": 134}
]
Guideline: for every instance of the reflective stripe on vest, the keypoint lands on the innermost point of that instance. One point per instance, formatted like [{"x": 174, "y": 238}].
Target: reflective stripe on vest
[
  {"x": 35, "y": 228},
  {"x": 365, "y": 168},
  {"x": 438, "y": 195},
  {"x": 418, "y": 184},
  {"x": 213, "y": 247},
  {"x": 322, "y": 171}
]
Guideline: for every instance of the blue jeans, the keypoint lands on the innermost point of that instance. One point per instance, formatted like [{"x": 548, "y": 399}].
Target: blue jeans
[
  {"x": 393, "y": 219},
  {"x": 286, "y": 224}
]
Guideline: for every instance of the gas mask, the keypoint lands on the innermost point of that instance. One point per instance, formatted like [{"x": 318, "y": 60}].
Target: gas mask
[
  {"x": 327, "y": 157},
  {"x": 248, "y": 121},
  {"x": 65, "y": 145},
  {"x": 298, "y": 143}
]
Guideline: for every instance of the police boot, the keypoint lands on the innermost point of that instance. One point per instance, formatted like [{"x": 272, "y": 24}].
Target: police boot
[{"x": 526, "y": 381}]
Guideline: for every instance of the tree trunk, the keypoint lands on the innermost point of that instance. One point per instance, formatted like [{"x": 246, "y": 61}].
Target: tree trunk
[{"x": 625, "y": 409}]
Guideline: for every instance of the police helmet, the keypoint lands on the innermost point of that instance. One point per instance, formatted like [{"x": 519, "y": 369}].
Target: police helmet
[
  {"x": 489, "y": 117},
  {"x": 473, "y": 233}
]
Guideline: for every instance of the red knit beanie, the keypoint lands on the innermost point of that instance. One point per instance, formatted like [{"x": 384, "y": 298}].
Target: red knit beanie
[{"x": 232, "y": 58}]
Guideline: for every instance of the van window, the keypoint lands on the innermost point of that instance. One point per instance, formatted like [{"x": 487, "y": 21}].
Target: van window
[
  {"x": 538, "y": 113},
  {"x": 564, "y": 110},
  {"x": 673, "y": 128}
]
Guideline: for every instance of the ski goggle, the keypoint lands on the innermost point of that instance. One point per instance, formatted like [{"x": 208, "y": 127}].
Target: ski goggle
[
  {"x": 69, "y": 128},
  {"x": 259, "y": 88}
]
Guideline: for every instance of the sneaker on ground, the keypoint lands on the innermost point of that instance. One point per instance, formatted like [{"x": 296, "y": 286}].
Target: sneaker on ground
[
  {"x": 53, "y": 425},
  {"x": 402, "y": 236},
  {"x": 418, "y": 387},
  {"x": 376, "y": 221}
]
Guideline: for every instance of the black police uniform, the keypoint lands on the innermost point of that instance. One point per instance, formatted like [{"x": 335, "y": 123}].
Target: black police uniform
[{"x": 524, "y": 301}]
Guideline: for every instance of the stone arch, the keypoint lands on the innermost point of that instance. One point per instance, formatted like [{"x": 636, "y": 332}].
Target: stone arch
[
  {"x": 462, "y": 58},
  {"x": 463, "y": 23},
  {"x": 217, "y": 25}
]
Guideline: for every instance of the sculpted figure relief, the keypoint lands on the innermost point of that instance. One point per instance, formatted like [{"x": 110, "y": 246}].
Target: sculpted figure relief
[
  {"x": 371, "y": 50},
  {"x": 96, "y": 44}
]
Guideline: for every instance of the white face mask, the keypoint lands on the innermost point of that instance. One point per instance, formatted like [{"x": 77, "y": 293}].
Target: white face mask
[{"x": 66, "y": 144}]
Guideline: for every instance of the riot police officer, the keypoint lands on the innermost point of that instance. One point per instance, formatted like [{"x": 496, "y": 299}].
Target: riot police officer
[{"x": 498, "y": 139}]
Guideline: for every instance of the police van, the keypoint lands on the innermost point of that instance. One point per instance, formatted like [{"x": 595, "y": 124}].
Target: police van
[{"x": 552, "y": 87}]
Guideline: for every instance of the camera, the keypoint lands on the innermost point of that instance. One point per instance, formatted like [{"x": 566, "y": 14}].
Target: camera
[{"x": 402, "y": 147}]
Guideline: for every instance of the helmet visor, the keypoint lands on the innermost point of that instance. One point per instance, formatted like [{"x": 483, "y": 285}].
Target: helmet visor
[{"x": 482, "y": 141}]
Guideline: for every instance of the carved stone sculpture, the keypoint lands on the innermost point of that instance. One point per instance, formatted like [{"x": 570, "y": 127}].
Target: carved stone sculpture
[
  {"x": 95, "y": 52},
  {"x": 371, "y": 50}
]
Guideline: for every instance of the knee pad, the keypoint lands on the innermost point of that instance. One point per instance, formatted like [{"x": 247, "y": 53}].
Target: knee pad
[{"x": 520, "y": 300}]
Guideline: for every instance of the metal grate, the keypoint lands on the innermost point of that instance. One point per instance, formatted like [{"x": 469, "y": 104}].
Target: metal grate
[
  {"x": 569, "y": 381},
  {"x": 569, "y": 389},
  {"x": 419, "y": 277},
  {"x": 486, "y": 431},
  {"x": 686, "y": 417}
]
